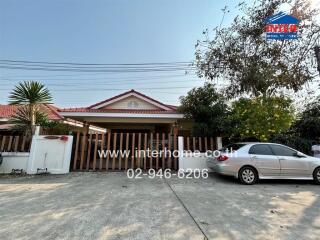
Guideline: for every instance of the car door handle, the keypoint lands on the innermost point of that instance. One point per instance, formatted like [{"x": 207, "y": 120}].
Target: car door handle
[{"x": 282, "y": 159}]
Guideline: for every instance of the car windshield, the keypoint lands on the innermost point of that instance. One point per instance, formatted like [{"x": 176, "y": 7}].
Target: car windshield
[{"x": 232, "y": 147}]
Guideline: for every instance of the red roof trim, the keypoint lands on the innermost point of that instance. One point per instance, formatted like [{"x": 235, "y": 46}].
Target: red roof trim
[
  {"x": 131, "y": 91},
  {"x": 148, "y": 111}
]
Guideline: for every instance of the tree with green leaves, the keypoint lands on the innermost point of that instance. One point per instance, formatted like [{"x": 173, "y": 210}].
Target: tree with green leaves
[
  {"x": 30, "y": 94},
  {"x": 208, "y": 109},
  {"x": 240, "y": 54},
  {"x": 307, "y": 124},
  {"x": 261, "y": 117}
]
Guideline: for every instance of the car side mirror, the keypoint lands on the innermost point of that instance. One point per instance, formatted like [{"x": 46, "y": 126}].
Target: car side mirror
[{"x": 299, "y": 155}]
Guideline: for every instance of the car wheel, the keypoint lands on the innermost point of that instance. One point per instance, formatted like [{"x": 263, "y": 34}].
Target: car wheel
[
  {"x": 316, "y": 175},
  {"x": 248, "y": 175}
]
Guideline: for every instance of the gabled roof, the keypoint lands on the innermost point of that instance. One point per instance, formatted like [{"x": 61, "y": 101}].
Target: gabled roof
[
  {"x": 99, "y": 109},
  {"x": 137, "y": 94},
  {"x": 7, "y": 111}
]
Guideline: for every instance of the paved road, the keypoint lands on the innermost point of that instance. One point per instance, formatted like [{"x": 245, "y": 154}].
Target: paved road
[{"x": 111, "y": 206}]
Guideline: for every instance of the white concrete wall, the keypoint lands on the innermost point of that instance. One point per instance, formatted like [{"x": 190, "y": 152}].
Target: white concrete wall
[
  {"x": 14, "y": 160},
  {"x": 198, "y": 162},
  {"x": 53, "y": 154}
]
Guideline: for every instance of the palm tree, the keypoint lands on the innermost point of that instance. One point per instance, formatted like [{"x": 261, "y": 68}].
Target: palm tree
[
  {"x": 31, "y": 94},
  {"x": 21, "y": 118}
]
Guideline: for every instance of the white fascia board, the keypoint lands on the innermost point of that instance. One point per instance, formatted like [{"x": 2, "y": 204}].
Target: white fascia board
[
  {"x": 124, "y": 115},
  {"x": 132, "y": 94}
]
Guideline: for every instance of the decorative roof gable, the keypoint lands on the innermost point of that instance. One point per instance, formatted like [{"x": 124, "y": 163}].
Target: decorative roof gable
[{"x": 132, "y": 100}]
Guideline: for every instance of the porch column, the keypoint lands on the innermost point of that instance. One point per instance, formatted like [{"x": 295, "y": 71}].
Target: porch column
[{"x": 85, "y": 128}]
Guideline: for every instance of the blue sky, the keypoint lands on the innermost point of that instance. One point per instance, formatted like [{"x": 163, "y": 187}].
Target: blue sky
[{"x": 104, "y": 31}]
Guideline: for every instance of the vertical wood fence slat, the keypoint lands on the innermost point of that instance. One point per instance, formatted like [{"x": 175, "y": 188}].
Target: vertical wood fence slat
[
  {"x": 76, "y": 152},
  {"x": 114, "y": 150},
  {"x": 157, "y": 149},
  {"x": 139, "y": 153},
  {"x": 108, "y": 149},
  {"x": 3, "y": 143},
  {"x": 83, "y": 146},
  {"x": 16, "y": 143},
  {"x": 200, "y": 144},
  {"x": 211, "y": 144},
  {"x": 163, "y": 149},
  {"x": 145, "y": 153},
  {"x": 89, "y": 152},
  {"x": 194, "y": 144},
  {"x": 127, "y": 149},
  {"x": 206, "y": 144},
  {"x": 102, "y": 148},
  {"x": 175, "y": 148},
  {"x": 23, "y": 143},
  {"x": 169, "y": 148},
  {"x": 121, "y": 152},
  {"x": 95, "y": 151},
  {"x": 132, "y": 154},
  {"x": 151, "y": 142},
  {"x": 188, "y": 143},
  {"x": 9, "y": 144}
]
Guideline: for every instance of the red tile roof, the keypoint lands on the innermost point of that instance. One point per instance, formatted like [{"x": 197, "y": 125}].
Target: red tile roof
[
  {"x": 142, "y": 111},
  {"x": 7, "y": 111}
]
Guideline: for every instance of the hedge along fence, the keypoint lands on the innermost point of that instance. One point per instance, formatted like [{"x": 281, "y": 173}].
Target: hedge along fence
[{"x": 15, "y": 143}]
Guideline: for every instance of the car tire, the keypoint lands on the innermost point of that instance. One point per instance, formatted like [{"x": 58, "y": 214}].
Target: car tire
[
  {"x": 316, "y": 175},
  {"x": 248, "y": 175}
]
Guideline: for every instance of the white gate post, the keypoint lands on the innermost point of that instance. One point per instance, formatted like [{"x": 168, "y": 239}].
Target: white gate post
[
  {"x": 180, "y": 149},
  {"x": 219, "y": 142}
]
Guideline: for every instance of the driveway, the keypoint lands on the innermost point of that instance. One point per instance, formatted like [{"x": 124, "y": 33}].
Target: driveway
[{"x": 111, "y": 206}]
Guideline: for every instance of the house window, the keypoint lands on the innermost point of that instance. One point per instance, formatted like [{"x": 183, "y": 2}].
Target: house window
[{"x": 133, "y": 104}]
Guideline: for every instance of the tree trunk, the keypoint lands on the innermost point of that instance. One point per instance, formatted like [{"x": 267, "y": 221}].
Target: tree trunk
[
  {"x": 317, "y": 52},
  {"x": 32, "y": 118}
]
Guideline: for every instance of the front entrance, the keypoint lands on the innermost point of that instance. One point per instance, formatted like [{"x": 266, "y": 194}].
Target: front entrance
[{"x": 121, "y": 151}]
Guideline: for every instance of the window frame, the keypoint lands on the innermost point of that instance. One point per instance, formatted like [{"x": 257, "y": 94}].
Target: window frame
[
  {"x": 279, "y": 145},
  {"x": 272, "y": 153}
]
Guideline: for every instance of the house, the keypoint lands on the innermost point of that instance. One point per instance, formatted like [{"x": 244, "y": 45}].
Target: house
[{"x": 128, "y": 112}]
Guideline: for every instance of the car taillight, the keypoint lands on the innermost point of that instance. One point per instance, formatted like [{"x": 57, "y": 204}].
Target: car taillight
[{"x": 222, "y": 158}]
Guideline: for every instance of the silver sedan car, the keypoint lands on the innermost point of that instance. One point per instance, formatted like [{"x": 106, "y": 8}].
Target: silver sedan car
[{"x": 252, "y": 161}]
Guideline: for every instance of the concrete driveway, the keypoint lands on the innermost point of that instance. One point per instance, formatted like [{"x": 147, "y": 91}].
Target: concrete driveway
[{"x": 111, "y": 206}]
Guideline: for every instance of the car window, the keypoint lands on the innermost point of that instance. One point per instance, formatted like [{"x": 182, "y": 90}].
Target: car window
[
  {"x": 282, "y": 150},
  {"x": 260, "y": 149}
]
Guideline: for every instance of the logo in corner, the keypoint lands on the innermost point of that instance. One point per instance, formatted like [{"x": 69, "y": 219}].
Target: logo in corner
[{"x": 281, "y": 26}]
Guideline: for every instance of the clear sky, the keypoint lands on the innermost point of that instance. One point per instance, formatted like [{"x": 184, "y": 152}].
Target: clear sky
[{"x": 104, "y": 31}]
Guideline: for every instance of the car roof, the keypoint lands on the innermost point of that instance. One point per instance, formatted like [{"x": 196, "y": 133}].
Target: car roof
[{"x": 252, "y": 143}]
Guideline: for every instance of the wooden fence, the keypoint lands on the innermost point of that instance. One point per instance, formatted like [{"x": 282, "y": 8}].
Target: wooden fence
[
  {"x": 131, "y": 150},
  {"x": 15, "y": 143}
]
